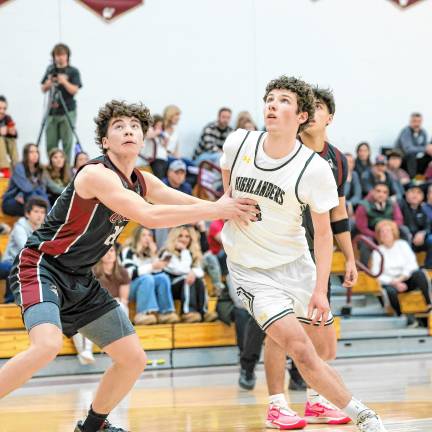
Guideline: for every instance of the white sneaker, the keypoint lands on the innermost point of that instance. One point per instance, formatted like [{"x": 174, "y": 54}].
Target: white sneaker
[
  {"x": 368, "y": 421},
  {"x": 86, "y": 357}
]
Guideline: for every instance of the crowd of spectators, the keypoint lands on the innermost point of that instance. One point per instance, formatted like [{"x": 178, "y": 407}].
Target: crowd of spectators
[{"x": 153, "y": 269}]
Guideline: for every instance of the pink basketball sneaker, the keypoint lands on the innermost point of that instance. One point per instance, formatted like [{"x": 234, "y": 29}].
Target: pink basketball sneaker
[
  {"x": 283, "y": 419},
  {"x": 324, "y": 413}
]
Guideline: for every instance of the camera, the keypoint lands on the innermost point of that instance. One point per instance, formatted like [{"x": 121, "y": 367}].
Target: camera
[{"x": 55, "y": 71}]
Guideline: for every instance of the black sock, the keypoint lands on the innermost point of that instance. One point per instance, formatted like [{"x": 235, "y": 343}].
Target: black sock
[{"x": 94, "y": 421}]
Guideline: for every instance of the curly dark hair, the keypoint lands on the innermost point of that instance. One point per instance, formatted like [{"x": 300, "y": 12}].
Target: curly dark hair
[
  {"x": 303, "y": 91},
  {"x": 325, "y": 96},
  {"x": 115, "y": 109}
]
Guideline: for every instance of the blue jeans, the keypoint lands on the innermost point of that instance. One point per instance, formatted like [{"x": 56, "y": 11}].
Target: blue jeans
[
  {"x": 152, "y": 293},
  {"x": 5, "y": 268}
]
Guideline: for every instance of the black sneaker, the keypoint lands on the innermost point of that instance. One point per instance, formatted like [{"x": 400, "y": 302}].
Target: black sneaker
[
  {"x": 296, "y": 382},
  {"x": 247, "y": 380},
  {"x": 107, "y": 427}
]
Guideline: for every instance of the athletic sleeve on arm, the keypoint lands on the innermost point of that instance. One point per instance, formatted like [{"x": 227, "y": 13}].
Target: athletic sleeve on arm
[
  {"x": 317, "y": 187},
  {"x": 230, "y": 147}
]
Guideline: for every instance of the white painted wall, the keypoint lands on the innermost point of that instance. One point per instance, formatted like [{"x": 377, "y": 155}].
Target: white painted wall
[{"x": 202, "y": 54}]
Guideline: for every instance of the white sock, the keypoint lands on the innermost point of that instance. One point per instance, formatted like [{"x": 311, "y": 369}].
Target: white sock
[
  {"x": 354, "y": 408},
  {"x": 313, "y": 396},
  {"x": 279, "y": 400}
]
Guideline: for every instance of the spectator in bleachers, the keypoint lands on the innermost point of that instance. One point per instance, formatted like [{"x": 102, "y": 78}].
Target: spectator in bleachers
[
  {"x": 8, "y": 137},
  {"x": 427, "y": 206},
  {"x": 401, "y": 272},
  {"x": 363, "y": 158},
  {"x": 215, "y": 243},
  {"x": 57, "y": 174},
  {"x": 81, "y": 158},
  {"x": 245, "y": 121},
  {"x": 417, "y": 221},
  {"x": 187, "y": 275},
  {"x": 377, "y": 174},
  {"x": 376, "y": 207},
  {"x": 352, "y": 189},
  {"x": 400, "y": 176},
  {"x": 213, "y": 137},
  {"x": 35, "y": 211},
  {"x": 412, "y": 141},
  {"x": 176, "y": 177},
  {"x": 155, "y": 148},
  {"x": 26, "y": 181},
  {"x": 171, "y": 117},
  {"x": 150, "y": 287}
]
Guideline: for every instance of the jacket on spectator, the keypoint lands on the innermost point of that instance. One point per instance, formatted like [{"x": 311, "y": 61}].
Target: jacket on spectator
[
  {"x": 182, "y": 265},
  {"x": 21, "y": 185},
  {"x": 368, "y": 214},
  {"x": 134, "y": 264},
  {"x": 415, "y": 219},
  {"x": 212, "y": 139},
  {"x": 427, "y": 208},
  {"x": 353, "y": 189},
  {"x": 17, "y": 238},
  {"x": 368, "y": 181},
  {"x": 409, "y": 142},
  {"x": 360, "y": 167}
]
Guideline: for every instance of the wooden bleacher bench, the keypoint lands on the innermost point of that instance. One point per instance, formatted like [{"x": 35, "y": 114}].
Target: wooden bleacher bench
[
  {"x": 367, "y": 285},
  {"x": 338, "y": 263},
  {"x": 14, "y": 338},
  {"x": 412, "y": 303}
]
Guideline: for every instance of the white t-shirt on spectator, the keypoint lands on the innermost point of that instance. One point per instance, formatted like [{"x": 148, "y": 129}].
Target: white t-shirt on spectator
[{"x": 399, "y": 260}]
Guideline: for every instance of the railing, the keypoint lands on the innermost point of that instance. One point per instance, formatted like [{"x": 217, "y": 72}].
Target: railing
[
  {"x": 362, "y": 267},
  {"x": 206, "y": 165}
]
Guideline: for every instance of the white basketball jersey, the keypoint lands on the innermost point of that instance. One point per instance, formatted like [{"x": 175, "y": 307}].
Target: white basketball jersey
[{"x": 281, "y": 193}]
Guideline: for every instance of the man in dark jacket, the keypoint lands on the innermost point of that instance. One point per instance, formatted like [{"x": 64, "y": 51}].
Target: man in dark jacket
[
  {"x": 412, "y": 141},
  {"x": 417, "y": 221}
]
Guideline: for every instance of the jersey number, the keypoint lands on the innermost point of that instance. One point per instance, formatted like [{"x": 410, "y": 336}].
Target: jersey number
[{"x": 113, "y": 237}]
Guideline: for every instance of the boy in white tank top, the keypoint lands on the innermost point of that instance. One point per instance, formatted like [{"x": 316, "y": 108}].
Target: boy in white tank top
[{"x": 269, "y": 260}]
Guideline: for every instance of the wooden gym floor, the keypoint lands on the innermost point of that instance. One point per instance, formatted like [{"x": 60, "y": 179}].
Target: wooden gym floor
[{"x": 208, "y": 400}]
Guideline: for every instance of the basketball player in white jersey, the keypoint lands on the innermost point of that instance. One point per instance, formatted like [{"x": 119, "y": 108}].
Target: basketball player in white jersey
[
  {"x": 269, "y": 261},
  {"x": 317, "y": 409}
]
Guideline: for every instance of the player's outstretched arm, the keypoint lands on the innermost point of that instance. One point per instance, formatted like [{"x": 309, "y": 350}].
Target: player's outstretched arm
[
  {"x": 339, "y": 218},
  {"x": 96, "y": 181},
  {"x": 159, "y": 193},
  {"x": 319, "y": 308}
]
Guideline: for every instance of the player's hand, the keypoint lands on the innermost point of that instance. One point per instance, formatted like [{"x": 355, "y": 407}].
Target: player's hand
[
  {"x": 319, "y": 308},
  {"x": 351, "y": 274},
  {"x": 242, "y": 210},
  {"x": 3, "y": 130}
]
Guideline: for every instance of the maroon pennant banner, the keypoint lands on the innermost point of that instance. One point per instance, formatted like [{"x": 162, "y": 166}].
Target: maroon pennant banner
[
  {"x": 405, "y": 3},
  {"x": 109, "y": 9}
]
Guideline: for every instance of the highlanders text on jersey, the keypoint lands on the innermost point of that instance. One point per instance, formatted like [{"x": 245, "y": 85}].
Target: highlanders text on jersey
[{"x": 282, "y": 188}]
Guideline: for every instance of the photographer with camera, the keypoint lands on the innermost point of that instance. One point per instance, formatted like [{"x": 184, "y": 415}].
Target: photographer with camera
[{"x": 63, "y": 82}]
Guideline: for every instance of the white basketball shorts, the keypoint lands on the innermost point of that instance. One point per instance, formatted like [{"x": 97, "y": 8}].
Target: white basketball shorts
[{"x": 271, "y": 294}]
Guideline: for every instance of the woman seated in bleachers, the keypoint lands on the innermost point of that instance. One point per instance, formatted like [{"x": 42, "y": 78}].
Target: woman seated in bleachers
[
  {"x": 81, "y": 158},
  {"x": 57, "y": 174},
  {"x": 363, "y": 158},
  {"x": 401, "y": 272},
  {"x": 150, "y": 287},
  {"x": 26, "y": 181},
  {"x": 352, "y": 189},
  {"x": 184, "y": 267}
]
